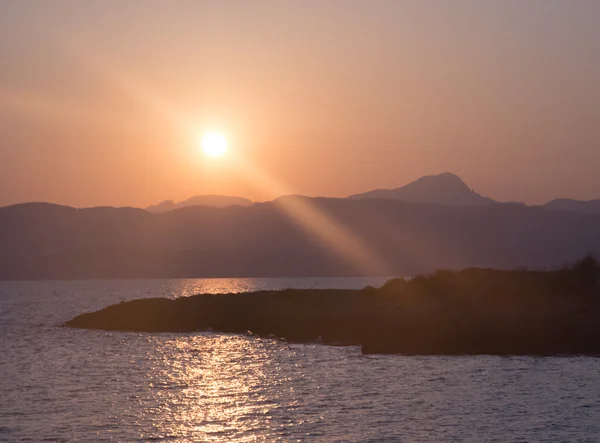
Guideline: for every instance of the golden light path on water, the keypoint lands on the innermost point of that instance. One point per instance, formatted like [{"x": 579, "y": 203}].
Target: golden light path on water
[
  {"x": 63, "y": 384},
  {"x": 225, "y": 387},
  {"x": 216, "y": 387}
]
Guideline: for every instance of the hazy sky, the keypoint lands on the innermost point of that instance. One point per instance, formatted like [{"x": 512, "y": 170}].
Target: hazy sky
[{"x": 101, "y": 102}]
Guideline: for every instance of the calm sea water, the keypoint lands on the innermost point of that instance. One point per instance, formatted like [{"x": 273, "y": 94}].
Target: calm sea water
[{"x": 60, "y": 384}]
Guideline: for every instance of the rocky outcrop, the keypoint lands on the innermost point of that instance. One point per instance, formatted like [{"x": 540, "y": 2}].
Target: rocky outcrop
[{"x": 474, "y": 311}]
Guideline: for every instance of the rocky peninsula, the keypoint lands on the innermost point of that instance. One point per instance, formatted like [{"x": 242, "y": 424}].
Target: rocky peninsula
[{"x": 473, "y": 311}]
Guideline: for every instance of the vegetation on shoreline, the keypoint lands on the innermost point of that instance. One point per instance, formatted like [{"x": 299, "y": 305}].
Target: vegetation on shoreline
[{"x": 473, "y": 311}]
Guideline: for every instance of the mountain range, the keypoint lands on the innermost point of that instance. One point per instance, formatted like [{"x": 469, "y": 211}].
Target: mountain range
[
  {"x": 567, "y": 204},
  {"x": 377, "y": 233},
  {"x": 219, "y": 201},
  {"x": 441, "y": 189}
]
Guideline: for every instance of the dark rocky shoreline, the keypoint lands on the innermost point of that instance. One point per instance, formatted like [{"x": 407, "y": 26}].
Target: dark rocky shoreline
[{"x": 474, "y": 311}]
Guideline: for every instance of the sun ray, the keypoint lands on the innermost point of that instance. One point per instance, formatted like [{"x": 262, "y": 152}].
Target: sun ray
[
  {"x": 334, "y": 234},
  {"x": 340, "y": 240}
]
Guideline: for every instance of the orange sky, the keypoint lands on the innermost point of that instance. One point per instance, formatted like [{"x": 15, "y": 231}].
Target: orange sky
[{"x": 101, "y": 102}]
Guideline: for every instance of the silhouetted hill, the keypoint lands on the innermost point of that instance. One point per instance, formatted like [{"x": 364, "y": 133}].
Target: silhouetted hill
[
  {"x": 474, "y": 311},
  {"x": 446, "y": 189},
  {"x": 292, "y": 236},
  {"x": 219, "y": 201},
  {"x": 567, "y": 204}
]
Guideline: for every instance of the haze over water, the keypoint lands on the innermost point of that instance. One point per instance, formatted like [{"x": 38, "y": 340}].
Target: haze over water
[{"x": 62, "y": 384}]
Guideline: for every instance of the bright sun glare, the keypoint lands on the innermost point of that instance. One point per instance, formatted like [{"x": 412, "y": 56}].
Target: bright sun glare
[{"x": 214, "y": 144}]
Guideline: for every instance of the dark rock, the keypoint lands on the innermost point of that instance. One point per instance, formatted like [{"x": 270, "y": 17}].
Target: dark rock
[{"x": 474, "y": 311}]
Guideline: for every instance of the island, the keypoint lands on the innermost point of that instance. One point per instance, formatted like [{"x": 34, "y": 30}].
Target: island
[{"x": 472, "y": 311}]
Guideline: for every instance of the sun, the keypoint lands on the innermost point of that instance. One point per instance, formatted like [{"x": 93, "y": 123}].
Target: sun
[{"x": 214, "y": 144}]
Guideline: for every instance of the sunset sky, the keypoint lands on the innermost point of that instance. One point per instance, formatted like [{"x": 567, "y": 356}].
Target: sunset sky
[{"x": 104, "y": 102}]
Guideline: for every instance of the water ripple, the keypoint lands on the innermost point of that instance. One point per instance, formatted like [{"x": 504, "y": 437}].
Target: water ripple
[{"x": 60, "y": 384}]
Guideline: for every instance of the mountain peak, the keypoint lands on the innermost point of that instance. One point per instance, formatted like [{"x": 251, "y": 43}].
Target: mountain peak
[
  {"x": 443, "y": 179},
  {"x": 445, "y": 188},
  {"x": 200, "y": 200}
]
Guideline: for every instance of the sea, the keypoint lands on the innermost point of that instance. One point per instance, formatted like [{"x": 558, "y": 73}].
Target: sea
[{"x": 67, "y": 385}]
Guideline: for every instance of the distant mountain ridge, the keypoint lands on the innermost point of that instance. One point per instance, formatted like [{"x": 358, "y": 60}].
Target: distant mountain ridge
[
  {"x": 568, "y": 204},
  {"x": 277, "y": 239},
  {"x": 220, "y": 201},
  {"x": 441, "y": 189}
]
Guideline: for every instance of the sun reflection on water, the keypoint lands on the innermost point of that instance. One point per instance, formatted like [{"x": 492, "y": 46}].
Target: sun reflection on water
[
  {"x": 187, "y": 288},
  {"x": 211, "y": 386},
  {"x": 224, "y": 387}
]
